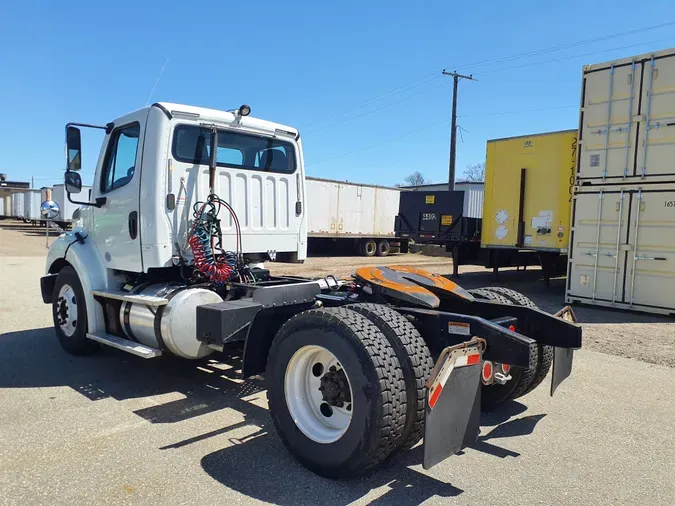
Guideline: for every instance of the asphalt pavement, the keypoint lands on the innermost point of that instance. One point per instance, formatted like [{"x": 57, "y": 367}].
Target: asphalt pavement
[{"x": 116, "y": 429}]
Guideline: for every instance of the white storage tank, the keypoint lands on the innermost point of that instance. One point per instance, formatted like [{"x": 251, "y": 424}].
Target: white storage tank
[
  {"x": 31, "y": 205},
  {"x": 66, "y": 207},
  {"x": 2, "y": 207},
  {"x": 7, "y": 207}
]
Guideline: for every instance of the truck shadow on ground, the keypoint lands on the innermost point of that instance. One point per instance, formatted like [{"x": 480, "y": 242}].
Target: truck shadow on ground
[{"x": 33, "y": 359}]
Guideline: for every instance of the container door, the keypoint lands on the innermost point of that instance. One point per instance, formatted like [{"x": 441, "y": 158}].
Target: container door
[
  {"x": 610, "y": 105},
  {"x": 598, "y": 255},
  {"x": 656, "y": 137},
  {"x": 350, "y": 209},
  {"x": 650, "y": 279}
]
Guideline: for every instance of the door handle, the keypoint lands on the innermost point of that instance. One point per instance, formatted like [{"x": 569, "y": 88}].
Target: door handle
[{"x": 133, "y": 224}]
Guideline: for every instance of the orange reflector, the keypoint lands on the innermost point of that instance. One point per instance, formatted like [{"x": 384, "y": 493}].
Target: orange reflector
[
  {"x": 487, "y": 370},
  {"x": 473, "y": 359},
  {"x": 435, "y": 394},
  {"x": 512, "y": 328},
  {"x": 506, "y": 368}
]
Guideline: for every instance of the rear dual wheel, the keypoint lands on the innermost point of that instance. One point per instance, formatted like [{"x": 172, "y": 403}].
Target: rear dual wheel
[
  {"x": 523, "y": 380},
  {"x": 347, "y": 387}
]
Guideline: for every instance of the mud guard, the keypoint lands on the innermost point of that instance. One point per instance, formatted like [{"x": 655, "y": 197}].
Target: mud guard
[
  {"x": 562, "y": 357},
  {"x": 452, "y": 408}
]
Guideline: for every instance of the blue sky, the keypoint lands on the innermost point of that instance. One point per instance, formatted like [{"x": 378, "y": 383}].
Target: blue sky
[{"x": 361, "y": 80}]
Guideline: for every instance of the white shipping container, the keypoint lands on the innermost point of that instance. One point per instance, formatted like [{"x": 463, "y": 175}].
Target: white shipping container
[
  {"x": 66, "y": 207},
  {"x": 31, "y": 205},
  {"x": 622, "y": 247},
  {"x": 17, "y": 205},
  {"x": 342, "y": 209},
  {"x": 473, "y": 203},
  {"x": 627, "y": 120}
]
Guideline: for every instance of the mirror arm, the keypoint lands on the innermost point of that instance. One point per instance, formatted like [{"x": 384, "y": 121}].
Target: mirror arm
[{"x": 99, "y": 202}]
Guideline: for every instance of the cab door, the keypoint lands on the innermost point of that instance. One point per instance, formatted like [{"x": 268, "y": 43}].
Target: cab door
[{"x": 116, "y": 224}]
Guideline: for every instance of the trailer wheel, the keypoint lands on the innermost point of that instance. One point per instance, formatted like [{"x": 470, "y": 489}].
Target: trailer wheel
[
  {"x": 415, "y": 359},
  {"x": 544, "y": 352},
  {"x": 367, "y": 247},
  {"x": 69, "y": 312},
  {"x": 383, "y": 248},
  {"x": 492, "y": 396},
  {"x": 336, "y": 392}
]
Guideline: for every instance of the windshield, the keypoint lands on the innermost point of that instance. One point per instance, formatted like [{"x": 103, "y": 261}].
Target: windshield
[{"x": 192, "y": 144}]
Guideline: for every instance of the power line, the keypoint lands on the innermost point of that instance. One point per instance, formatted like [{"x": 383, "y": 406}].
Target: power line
[
  {"x": 350, "y": 118},
  {"x": 395, "y": 91},
  {"x": 378, "y": 143},
  {"x": 434, "y": 75},
  {"x": 391, "y": 139},
  {"x": 564, "y": 46},
  {"x": 573, "y": 56}
]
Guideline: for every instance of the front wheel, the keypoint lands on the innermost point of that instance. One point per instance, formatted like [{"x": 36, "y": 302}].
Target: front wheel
[
  {"x": 336, "y": 392},
  {"x": 69, "y": 311}
]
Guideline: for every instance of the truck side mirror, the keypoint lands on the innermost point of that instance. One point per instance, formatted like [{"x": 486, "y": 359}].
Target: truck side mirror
[
  {"x": 73, "y": 149},
  {"x": 73, "y": 182}
]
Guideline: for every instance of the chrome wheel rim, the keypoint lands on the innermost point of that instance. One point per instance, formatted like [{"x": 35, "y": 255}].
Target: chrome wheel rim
[{"x": 66, "y": 310}]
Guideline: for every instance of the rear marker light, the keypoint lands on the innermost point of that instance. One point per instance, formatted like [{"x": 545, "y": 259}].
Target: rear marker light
[
  {"x": 506, "y": 368},
  {"x": 512, "y": 328},
  {"x": 487, "y": 371}
]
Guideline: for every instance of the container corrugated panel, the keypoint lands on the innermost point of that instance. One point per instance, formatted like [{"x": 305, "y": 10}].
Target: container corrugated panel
[
  {"x": 542, "y": 168},
  {"x": 627, "y": 120},
  {"x": 17, "y": 205},
  {"x": 623, "y": 247},
  {"x": 31, "y": 205},
  {"x": 2, "y": 206},
  {"x": 7, "y": 212},
  {"x": 343, "y": 209},
  {"x": 473, "y": 203}
]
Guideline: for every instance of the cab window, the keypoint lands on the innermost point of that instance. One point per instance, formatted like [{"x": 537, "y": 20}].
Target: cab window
[{"x": 120, "y": 162}]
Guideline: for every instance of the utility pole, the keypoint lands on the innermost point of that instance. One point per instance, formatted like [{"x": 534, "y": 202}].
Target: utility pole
[{"x": 453, "y": 128}]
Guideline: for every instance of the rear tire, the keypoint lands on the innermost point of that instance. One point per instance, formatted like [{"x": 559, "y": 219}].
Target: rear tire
[
  {"x": 69, "y": 311},
  {"x": 492, "y": 396},
  {"x": 383, "y": 248},
  {"x": 376, "y": 391},
  {"x": 544, "y": 352},
  {"x": 367, "y": 247},
  {"x": 415, "y": 359}
]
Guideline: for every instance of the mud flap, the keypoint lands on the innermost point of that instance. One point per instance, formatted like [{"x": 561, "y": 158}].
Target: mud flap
[
  {"x": 453, "y": 402},
  {"x": 562, "y": 357}
]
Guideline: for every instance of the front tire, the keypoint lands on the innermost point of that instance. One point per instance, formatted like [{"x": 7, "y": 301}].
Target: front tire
[
  {"x": 69, "y": 311},
  {"x": 361, "y": 381}
]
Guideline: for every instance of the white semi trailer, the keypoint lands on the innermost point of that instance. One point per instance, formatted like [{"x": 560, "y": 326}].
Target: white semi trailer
[
  {"x": 358, "y": 216},
  {"x": 187, "y": 202}
]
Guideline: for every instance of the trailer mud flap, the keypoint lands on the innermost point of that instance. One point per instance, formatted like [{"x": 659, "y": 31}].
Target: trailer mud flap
[
  {"x": 453, "y": 402},
  {"x": 562, "y": 357}
]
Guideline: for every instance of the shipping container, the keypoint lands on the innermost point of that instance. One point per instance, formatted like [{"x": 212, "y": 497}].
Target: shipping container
[
  {"x": 622, "y": 249},
  {"x": 17, "y": 205},
  {"x": 627, "y": 120},
  {"x": 66, "y": 207},
  {"x": 528, "y": 191},
  {"x": 31, "y": 205},
  {"x": 360, "y": 214}
]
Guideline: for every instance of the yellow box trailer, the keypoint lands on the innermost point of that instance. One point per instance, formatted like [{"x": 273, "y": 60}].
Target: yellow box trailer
[{"x": 528, "y": 191}]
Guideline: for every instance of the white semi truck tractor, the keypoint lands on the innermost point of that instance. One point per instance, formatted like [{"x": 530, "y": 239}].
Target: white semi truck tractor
[{"x": 168, "y": 257}]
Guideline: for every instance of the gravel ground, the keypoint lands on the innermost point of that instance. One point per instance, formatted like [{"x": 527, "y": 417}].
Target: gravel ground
[{"x": 115, "y": 429}]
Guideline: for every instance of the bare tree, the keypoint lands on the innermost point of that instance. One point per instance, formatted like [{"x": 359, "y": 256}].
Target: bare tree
[
  {"x": 474, "y": 172},
  {"x": 416, "y": 179}
]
